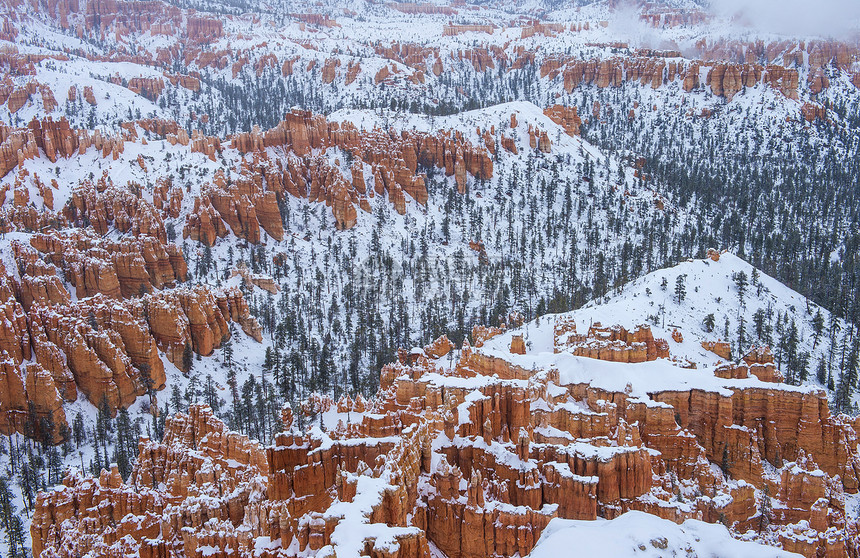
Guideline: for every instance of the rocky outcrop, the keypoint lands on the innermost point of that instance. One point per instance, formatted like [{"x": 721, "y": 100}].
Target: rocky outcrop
[
  {"x": 149, "y": 88},
  {"x": 188, "y": 82},
  {"x": 727, "y": 79},
  {"x": 755, "y": 425},
  {"x": 103, "y": 205},
  {"x": 252, "y": 201},
  {"x": 477, "y": 458},
  {"x": 813, "y": 111},
  {"x": 352, "y": 71},
  {"x": 615, "y": 344},
  {"x": 89, "y": 97},
  {"x": 421, "y": 8},
  {"x": 481, "y": 334},
  {"x": 119, "y": 269},
  {"x": 724, "y": 78},
  {"x": 187, "y": 321},
  {"x": 319, "y": 20},
  {"x": 30, "y": 403},
  {"x": 329, "y": 71},
  {"x": 518, "y": 345},
  {"x": 382, "y": 75},
  {"x": 209, "y": 487},
  {"x": 720, "y": 348},
  {"x": 566, "y": 117},
  {"x": 451, "y": 30},
  {"x": 266, "y": 283},
  {"x": 394, "y": 160},
  {"x": 107, "y": 349},
  {"x": 167, "y": 198},
  {"x": 759, "y": 360},
  {"x": 18, "y": 98},
  {"x": 203, "y": 29},
  {"x": 56, "y": 138},
  {"x": 244, "y": 205},
  {"x": 204, "y": 223}
]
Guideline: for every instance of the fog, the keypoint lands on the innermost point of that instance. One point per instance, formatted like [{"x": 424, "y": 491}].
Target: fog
[{"x": 836, "y": 18}]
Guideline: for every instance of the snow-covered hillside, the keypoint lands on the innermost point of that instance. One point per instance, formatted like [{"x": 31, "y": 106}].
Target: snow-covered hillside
[
  {"x": 637, "y": 534},
  {"x": 371, "y": 175},
  {"x": 708, "y": 307}
]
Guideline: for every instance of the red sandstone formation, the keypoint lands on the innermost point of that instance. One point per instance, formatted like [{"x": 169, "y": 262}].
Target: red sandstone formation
[
  {"x": 481, "y": 334},
  {"x": 150, "y": 88},
  {"x": 126, "y": 268},
  {"x": 441, "y": 460},
  {"x": 719, "y": 348},
  {"x": 182, "y": 320},
  {"x": 410, "y": 54},
  {"x": 510, "y": 145},
  {"x": 266, "y": 283},
  {"x": 382, "y": 74},
  {"x": 544, "y": 144},
  {"x": 451, "y": 30},
  {"x": 104, "y": 205},
  {"x": 329, "y": 71},
  {"x": 352, "y": 71},
  {"x": 760, "y": 363},
  {"x": 106, "y": 349},
  {"x": 31, "y": 403},
  {"x": 188, "y": 82},
  {"x": 812, "y": 112},
  {"x": 49, "y": 102},
  {"x": 614, "y": 344},
  {"x": 18, "y": 98},
  {"x": 208, "y": 483},
  {"x": 421, "y": 8},
  {"x": 204, "y": 223},
  {"x": 545, "y": 29},
  {"x": 167, "y": 198},
  {"x": 518, "y": 345},
  {"x": 393, "y": 157},
  {"x": 204, "y": 29},
  {"x": 55, "y": 138},
  {"x": 122, "y": 18},
  {"x": 89, "y": 96},
  {"x": 724, "y": 78},
  {"x": 566, "y": 117}
]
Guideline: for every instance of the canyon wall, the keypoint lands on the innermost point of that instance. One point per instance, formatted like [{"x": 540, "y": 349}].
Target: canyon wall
[{"x": 478, "y": 458}]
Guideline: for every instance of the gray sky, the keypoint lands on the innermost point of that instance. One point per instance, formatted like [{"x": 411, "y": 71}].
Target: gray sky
[{"x": 796, "y": 17}]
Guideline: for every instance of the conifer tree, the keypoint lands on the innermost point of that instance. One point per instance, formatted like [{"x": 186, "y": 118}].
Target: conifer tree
[{"x": 681, "y": 287}]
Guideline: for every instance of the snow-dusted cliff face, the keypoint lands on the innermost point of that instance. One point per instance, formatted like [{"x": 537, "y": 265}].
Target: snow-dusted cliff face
[
  {"x": 259, "y": 207},
  {"x": 556, "y": 432}
]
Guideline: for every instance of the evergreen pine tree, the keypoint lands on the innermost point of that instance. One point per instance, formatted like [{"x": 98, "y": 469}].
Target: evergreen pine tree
[
  {"x": 7, "y": 505},
  {"x": 817, "y": 328},
  {"x": 681, "y": 288}
]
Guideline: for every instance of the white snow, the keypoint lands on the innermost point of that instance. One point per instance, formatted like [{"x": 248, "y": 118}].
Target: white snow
[{"x": 638, "y": 534}]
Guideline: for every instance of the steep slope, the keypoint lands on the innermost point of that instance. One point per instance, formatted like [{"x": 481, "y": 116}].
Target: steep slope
[
  {"x": 752, "y": 131},
  {"x": 346, "y": 236},
  {"x": 639, "y": 534},
  {"x": 341, "y": 178},
  {"x": 423, "y": 194},
  {"x": 717, "y": 321},
  {"x": 484, "y": 450}
]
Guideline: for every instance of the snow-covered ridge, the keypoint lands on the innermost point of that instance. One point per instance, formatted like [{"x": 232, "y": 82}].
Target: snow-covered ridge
[
  {"x": 637, "y": 534},
  {"x": 802, "y": 335}
]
